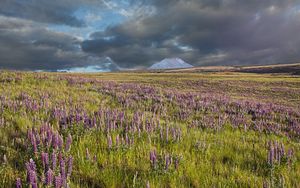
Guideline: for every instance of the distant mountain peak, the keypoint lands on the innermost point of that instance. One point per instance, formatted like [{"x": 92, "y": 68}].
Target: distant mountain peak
[{"x": 171, "y": 63}]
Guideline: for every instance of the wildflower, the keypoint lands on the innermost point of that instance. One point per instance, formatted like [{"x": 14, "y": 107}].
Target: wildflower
[
  {"x": 34, "y": 144},
  {"x": 55, "y": 141},
  {"x": 60, "y": 141},
  {"x": 271, "y": 155},
  {"x": 70, "y": 164},
  {"x": 168, "y": 161},
  {"x": 49, "y": 177},
  {"x": 33, "y": 179},
  {"x": 58, "y": 182},
  {"x": 18, "y": 183},
  {"x": 62, "y": 169},
  {"x": 45, "y": 160},
  {"x": 153, "y": 158},
  {"x": 53, "y": 158}
]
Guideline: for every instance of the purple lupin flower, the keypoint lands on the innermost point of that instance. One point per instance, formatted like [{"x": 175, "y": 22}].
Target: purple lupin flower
[
  {"x": 37, "y": 139},
  {"x": 28, "y": 169},
  {"x": 32, "y": 165},
  {"x": 45, "y": 160},
  {"x": 58, "y": 182},
  {"x": 49, "y": 138},
  {"x": 34, "y": 145},
  {"x": 70, "y": 164},
  {"x": 167, "y": 162},
  {"x": 49, "y": 177},
  {"x": 33, "y": 179},
  {"x": 18, "y": 183},
  {"x": 63, "y": 172},
  {"x": 30, "y": 136},
  {"x": 54, "y": 141},
  {"x": 60, "y": 156},
  {"x": 153, "y": 158},
  {"x": 53, "y": 158},
  {"x": 68, "y": 143},
  {"x": 271, "y": 155},
  {"x": 290, "y": 154},
  {"x": 60, "y": 142},
  {"x": 62, "y": 169},
  {"x": 275, "y": 148}
]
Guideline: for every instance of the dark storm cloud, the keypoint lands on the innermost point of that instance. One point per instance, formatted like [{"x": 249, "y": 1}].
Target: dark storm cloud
[
  {"x": 205, "y": 32},
  {"x": 47, "y": 11},
  {"x": 25, "y": 45},
  {"x": 202, "y": 32}
]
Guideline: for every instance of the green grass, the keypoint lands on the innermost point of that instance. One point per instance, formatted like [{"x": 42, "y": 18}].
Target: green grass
[{"x": 226, "y": 158}]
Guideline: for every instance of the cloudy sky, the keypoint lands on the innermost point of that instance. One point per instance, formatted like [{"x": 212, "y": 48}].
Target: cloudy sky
[{"x": 105, "y": 35}]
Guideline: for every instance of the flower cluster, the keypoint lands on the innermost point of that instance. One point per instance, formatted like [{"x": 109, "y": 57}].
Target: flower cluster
[
  {"x": 51, "y": 163},
  {"x": 277, "y": 153},
  {"x": 164, "y": 161}
]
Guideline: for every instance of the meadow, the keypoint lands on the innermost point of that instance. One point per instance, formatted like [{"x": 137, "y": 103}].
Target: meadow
[{"x": 149, "y": 130}]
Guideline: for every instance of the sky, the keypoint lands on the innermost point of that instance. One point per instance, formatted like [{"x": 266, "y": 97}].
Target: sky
[{"x": 110, "y": 35}]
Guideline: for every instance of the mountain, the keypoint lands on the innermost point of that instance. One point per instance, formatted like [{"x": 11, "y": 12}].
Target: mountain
[{"x": 171, "y": 63}]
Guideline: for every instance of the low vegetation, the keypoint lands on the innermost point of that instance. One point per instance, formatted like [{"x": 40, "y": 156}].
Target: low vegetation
[{"x": 149, "y": 130}]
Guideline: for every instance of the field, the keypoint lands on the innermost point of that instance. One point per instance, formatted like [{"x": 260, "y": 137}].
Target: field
[
  {"x": 293, "y": 69},
  {"x": 218, "y": 129}
]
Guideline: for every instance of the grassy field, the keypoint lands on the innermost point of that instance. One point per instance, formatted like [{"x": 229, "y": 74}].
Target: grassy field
[
  {"x": 292, "y": 69},
  {"x": 149, "y": 130}
]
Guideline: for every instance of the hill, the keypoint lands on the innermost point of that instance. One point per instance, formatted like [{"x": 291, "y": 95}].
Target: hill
[
  {"x": 293, "y": 69},
  {"x": 171, "y": 63}
]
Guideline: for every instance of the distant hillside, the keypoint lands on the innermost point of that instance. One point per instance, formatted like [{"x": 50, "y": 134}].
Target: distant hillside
[
  {"x": 293, "y": 69},
  {"x": 171, "y": 63}
]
